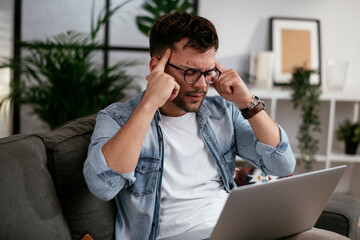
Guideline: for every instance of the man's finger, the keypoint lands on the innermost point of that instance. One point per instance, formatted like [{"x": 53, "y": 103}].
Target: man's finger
[
  {"x": 163, "y": 61},
  {"x": 175, "y": 92}
]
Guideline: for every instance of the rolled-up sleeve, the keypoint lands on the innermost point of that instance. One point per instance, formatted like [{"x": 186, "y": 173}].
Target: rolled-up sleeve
[
  {"x": 277, "y": 161},
  {"x": 102, "y": 181}
]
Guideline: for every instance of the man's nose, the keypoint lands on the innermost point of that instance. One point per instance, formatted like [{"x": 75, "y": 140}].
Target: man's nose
[{"x": 201, "y": 82}]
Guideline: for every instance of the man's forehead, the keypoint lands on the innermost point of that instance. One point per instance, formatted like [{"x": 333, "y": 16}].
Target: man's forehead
[{"x": 185, "y": 44}]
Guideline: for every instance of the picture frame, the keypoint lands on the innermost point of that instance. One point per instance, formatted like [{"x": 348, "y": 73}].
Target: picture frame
[{"x": 295, "y": 42}]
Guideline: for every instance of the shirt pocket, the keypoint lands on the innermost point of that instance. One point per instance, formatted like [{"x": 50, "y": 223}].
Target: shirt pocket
[
  {"x": 230, "y": 154},
  {"x": 146, "y": 173},
  {"x": 230, "y": 159}
]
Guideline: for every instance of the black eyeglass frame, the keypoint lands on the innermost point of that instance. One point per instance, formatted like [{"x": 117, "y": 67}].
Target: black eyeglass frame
[{"x": 196, "y": 70}]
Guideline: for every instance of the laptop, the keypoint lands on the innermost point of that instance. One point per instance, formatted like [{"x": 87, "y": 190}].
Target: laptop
[{"x": 274, "y": 209}]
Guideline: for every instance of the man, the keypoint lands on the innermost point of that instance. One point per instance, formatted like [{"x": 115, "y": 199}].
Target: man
[{"x": 167, "y": 155}]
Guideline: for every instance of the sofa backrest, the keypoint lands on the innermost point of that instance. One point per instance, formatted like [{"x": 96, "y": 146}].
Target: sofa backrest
[
  {"x": 29, "y": 206},
  {"x": 66, "y": 150}
]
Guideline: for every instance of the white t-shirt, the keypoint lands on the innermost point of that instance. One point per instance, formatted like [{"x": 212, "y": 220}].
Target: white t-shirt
[{"x": 192, "y": 193}]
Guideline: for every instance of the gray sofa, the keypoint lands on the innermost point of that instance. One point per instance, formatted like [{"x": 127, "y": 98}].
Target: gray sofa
[{"x": 43, "y": 194}]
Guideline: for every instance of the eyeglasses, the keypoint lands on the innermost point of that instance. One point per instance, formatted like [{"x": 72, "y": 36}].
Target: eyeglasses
[{"x": 193, "y": 75}]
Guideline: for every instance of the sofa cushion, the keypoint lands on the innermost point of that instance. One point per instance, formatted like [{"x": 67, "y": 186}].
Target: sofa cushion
[
  {"x": 66, "y": 149},
  {"x": 29, "y": 205}
]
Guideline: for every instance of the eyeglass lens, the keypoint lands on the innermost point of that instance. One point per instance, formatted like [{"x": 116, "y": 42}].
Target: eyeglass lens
[{"x": 193, "y": 75}]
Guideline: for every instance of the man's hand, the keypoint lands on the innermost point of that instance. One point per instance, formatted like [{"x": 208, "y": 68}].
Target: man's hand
[
  {"x": 161, "y": 86},
  {"x": 231, "y": 87}
]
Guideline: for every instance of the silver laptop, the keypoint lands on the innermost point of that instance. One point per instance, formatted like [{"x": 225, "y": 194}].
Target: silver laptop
[{"x": 272, "y": 210}]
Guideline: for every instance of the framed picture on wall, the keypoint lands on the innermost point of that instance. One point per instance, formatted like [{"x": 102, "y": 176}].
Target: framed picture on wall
[{"x": 295, "y": 43}]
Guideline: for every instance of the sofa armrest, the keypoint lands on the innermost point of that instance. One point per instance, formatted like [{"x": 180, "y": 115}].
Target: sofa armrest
[{"x": 341, "y": 215}]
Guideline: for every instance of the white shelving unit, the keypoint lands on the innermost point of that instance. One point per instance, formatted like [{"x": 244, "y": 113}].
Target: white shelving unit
[{"x": 276, "y": 94}]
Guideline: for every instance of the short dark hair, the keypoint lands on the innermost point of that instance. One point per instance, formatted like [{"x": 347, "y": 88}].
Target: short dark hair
[{"x": 174, "y": 27}]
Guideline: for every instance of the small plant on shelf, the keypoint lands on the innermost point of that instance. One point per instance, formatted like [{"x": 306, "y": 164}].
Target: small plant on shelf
[
  {"x": 349, "y": 133},
  {"x": 305, "y": 96}
]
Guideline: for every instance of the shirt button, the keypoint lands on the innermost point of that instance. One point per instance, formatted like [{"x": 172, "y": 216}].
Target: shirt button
[
  {"x": 153, "y": 225},
  {"x": 160, "y": 139}
]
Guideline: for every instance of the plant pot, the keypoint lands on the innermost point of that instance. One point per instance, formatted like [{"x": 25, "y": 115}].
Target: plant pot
[{"x": 351, "y": 147}]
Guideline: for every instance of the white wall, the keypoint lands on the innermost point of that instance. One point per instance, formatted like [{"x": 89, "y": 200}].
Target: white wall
[{"x": 243, "y": 26}]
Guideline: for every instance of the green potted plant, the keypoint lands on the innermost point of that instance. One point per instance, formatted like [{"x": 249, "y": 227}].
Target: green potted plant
[
  {"x": 157, "y": 8},
  {"x": 305, "y": 97},
  {"x": 349, "y": 133},
  {"x": 61, "y": 79}
]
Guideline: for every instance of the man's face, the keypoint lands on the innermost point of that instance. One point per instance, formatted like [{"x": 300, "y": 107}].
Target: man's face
[{"x": 190, "y": 96}]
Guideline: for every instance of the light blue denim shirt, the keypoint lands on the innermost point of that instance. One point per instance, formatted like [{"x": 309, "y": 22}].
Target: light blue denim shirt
[{"x": 137, "y": 194}]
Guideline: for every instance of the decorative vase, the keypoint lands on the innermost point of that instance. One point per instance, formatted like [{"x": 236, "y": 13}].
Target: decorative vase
[{"x": 351, "y": 147}]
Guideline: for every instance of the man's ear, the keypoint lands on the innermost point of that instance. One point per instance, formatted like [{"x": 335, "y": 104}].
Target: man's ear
[{"x": 153, "y": 63}]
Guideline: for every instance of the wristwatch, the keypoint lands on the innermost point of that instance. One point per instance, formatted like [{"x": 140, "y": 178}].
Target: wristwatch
[{"x": 256, "y": 106}]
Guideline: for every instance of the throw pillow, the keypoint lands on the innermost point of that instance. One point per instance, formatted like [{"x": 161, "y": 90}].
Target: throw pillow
[
  {"x": 66, "y": 149},
  {"x": 251, "y": 175},
  {"x": 29, "y": 205}
]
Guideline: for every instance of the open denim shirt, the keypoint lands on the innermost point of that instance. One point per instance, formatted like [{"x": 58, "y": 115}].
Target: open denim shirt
[{"x": 137, "y": 194}]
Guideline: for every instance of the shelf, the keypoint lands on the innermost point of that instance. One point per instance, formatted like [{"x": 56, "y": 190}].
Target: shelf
[
  {"x": 338, "y": 157},
  {"x": 281, "y": 93},
  {"x": 285, "y": 94}
]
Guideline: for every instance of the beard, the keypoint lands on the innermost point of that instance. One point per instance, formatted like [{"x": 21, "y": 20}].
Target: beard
[{"x": 183, "y": 102}]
